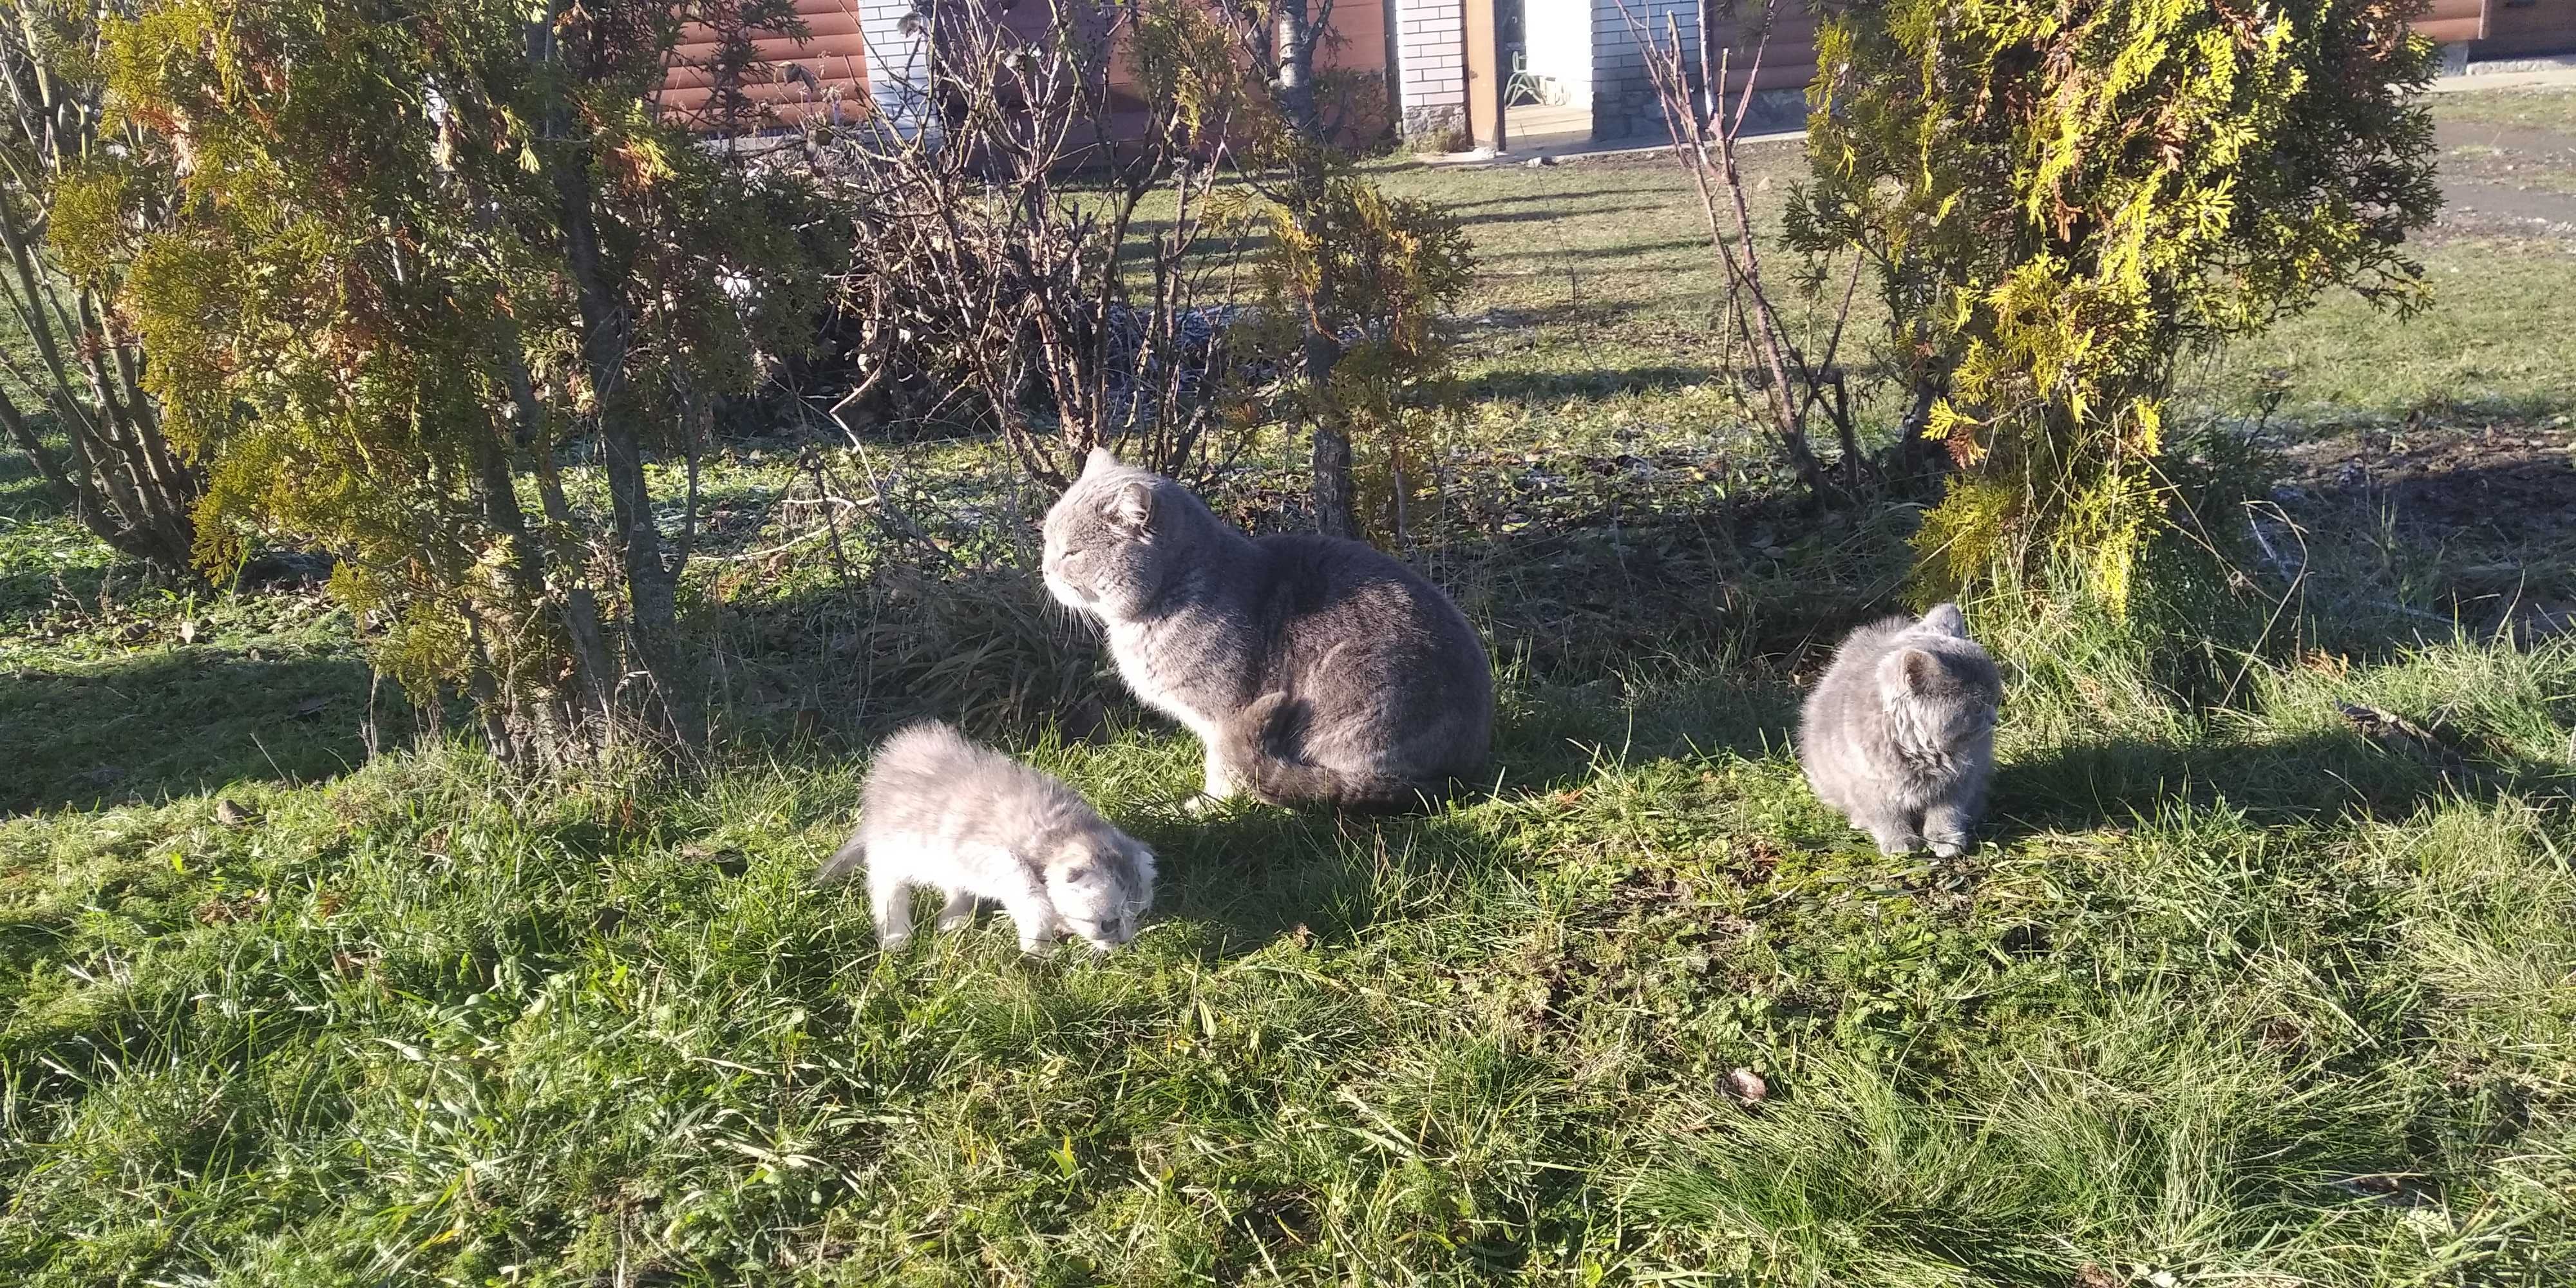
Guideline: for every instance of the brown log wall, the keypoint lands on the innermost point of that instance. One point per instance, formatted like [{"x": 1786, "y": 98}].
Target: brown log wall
[{"x": 833, "y": 58}]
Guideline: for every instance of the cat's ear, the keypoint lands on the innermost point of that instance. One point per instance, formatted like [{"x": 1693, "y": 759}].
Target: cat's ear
[
  {"x": 1142, "y": 856},
  {"x": 1101, "y": 461},
  {"x": 1918, "y": 668},
  {"x": 1131, "y": 507},
  {"x": 1947, "y": 619}
]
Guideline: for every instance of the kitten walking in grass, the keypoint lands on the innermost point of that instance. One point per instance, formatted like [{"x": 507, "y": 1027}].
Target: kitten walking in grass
[
  {"x": 1900, "y": 733},
  {"x": 941, "y": 813}
]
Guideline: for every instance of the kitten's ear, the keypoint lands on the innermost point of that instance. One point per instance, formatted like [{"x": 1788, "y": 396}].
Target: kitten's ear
[
  {"x": 1947, "y": 619},
  {"x": 1100, "y": 461},
  {"x": 1918, "y": 668},
  {"x": 1131, "y": 507}
]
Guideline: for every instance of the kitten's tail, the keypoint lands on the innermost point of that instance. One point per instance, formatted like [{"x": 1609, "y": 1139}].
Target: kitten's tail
[
  {"x": 843, "y": 862},
  {"x": 1280, "y": 780}
]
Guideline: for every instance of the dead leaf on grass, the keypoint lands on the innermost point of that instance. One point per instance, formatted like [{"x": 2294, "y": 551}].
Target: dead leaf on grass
[{"x": 1747, "y": 1086}]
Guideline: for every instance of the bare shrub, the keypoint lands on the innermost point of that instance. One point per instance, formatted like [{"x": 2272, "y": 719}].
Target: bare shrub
[
  {"x": 1791, "y": 384},
  {"x": 1041, "y": 247}
]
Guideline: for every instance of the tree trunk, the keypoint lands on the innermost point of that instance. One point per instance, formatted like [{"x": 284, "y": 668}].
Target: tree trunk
[
  {"x": 1335, "y": 497},
  {"x": 1295, "y": 75},
  {"x": 1336, "y": 509},
  {"x": 1913, "y": 457},
  {"x": 1336, "y": 505},
  {"x": 652, "y": 582},
  {"x": 532, "y": 447}
]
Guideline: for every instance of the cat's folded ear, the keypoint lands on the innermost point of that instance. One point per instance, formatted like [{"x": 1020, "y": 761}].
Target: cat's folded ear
[
  {"x": 1947, "y": 619},
  {"x": 1131, "y": 507},
  {"x": 1100, "y": 461},
  {"x": 1918, "y": 669}
]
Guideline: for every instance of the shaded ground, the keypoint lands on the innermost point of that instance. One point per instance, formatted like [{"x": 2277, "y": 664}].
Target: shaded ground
[{"x": 2476, "y": 523}]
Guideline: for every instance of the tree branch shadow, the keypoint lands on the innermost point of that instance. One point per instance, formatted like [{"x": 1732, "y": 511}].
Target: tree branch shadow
[{"x": 183, "y": 721}]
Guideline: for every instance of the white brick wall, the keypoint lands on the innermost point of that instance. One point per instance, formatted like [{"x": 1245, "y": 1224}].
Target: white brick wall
[
  {"x": 898, "y": 63},
  {"x": 1431, "y": 65}
]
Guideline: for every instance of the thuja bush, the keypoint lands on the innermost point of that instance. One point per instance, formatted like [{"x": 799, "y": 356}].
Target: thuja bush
[
  {"x": 1370, "y": 276},
  {"x": 2064, "y": 200},
  {"x": 1351, "y": 282},
  {"x": 424, "y": 257}
]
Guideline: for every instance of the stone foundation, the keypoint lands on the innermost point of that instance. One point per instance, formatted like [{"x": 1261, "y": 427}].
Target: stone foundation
[{"x": 1436, "y": 127}]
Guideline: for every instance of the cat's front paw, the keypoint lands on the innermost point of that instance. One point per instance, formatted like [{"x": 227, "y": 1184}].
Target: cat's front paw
[
  {"x": 1203, "y": 805},
  {"x": 894, "y": 943},
  {"x": 1949, "y": 847},
  {"x": 1894, "y": 844}
]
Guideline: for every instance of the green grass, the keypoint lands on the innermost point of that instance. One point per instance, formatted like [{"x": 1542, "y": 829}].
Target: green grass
[
  {"x": 2530, "y": 108},
  {"x": 2229, "y": 995},
  {"x": 421, "y": 1023}
]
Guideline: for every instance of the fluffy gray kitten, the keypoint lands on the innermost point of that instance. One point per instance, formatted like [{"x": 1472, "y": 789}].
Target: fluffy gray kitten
[
  {"x": 1900, "y": 733},
  {"x": 1313, "y": 670},
  {"x": 941, "y": 813}
]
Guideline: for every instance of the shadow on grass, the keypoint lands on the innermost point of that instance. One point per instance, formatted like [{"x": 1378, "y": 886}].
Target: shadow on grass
[
  {"x": 24, "y": 494},
  {"x": 1590, "y": 383},
  {"x": 28, "y": 589},
  {"x": 1255, "y": 875},
  {"x": 182, "y": 721},
  {"x": 2311, "y": 777},
  {"x": 1538, "y": 198},
  {"x": 1516, "y": 217},
  {"x": 1621, "y": 252}
]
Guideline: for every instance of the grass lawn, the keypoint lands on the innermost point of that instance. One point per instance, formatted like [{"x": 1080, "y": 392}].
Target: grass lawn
[{"x": 2230, "y": 993}]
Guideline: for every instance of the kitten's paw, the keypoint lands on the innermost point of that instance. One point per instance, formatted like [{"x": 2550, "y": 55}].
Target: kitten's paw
[
  {"x": 1894, "y": 846},
  {"x": 893, "y": 943},
  {"x": 1949, "y": 847},
  {"x": 1204, "y": 805}
]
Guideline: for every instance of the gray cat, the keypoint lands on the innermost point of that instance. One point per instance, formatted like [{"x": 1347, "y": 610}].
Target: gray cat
[
  {"x": 1900, "y": 733},
  {"x": 941, "y": 813},
  {"x": 1313, "y": 670}
]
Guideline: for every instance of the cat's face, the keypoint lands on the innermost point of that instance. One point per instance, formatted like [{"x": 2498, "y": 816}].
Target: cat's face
[
  {"x": 1113, "y": 539},
  {"x": 1954, "y": 695},
  {"x": 1101, "y": 886}
]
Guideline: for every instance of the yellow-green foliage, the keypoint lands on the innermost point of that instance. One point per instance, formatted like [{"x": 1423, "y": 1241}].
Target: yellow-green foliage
[
  {"x": 375, "y": 251},
  {"x": 1377, "y": 272},
  {"x": 2064, "y": 199}
]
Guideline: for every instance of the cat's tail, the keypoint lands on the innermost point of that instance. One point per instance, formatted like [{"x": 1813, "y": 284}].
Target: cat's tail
[
  {"x": 1276, "y": 779},
  {"x": 844, "y": 861}
]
